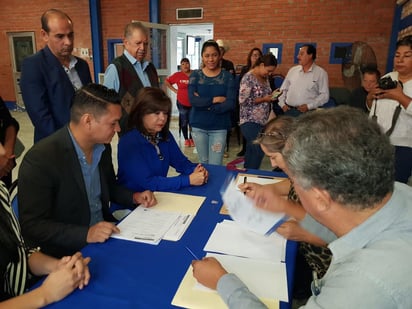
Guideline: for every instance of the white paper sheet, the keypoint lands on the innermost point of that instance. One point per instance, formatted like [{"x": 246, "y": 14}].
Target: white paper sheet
[
  {"x": 180, "y": 226},
  {"x": 146, "y": 225},
  {"x": 228, "y": 237},
  {"x": 241, "y": 208},
  {"x": 168, "y": 219}
]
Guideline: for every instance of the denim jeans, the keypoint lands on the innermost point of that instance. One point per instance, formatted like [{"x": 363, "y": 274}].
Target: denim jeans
[
  {"x": 253, "y": 154},
  {"x": 210, "y": 145},
  {"x": 293, "y": 112},
  {"x": 184, "y": 112}
]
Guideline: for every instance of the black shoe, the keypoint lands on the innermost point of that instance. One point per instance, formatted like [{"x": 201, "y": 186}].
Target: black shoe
[{"x": 241, "y": 153}]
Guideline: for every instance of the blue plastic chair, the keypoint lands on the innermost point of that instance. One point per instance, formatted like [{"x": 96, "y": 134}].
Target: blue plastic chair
[
  {"x": 278, "y": 80},
  {"x": 330, "y": 103}
]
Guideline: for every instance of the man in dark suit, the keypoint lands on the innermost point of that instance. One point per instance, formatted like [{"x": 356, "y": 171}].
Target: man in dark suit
[
  {"x": 50, "y": 77},
  {"x": 66, "y": 181},
  {"x": 130, "y": 72}
]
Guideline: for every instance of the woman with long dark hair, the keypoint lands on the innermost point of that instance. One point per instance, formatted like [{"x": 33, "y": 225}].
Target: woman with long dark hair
[
  {"x": 212, "y": 94},
  {"x": 255, "y": 100},
  {"x": 148, "y": 148},
  {"x": 253, "y": 55}
]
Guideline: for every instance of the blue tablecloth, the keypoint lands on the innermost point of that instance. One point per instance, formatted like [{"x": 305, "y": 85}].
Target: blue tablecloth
[{"x": 135, "y": 275}]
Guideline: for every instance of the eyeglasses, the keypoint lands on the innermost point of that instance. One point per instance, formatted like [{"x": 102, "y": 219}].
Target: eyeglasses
[{"x": 272, "y": 134}]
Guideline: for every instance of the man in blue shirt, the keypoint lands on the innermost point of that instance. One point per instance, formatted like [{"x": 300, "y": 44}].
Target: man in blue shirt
[
  {"x": 130, "y": 72},
  {"x": 345, "y": 181},
  {"x": 67, "y": 181}
]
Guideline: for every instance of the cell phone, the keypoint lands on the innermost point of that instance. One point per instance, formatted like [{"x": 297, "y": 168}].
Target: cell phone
[{"x": 276, "y": 93}]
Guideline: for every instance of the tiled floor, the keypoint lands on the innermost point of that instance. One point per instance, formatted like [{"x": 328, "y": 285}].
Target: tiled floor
[{"x": 26, "y": 136}]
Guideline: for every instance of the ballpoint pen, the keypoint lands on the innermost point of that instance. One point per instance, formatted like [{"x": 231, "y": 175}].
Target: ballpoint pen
[
  {"x": 244, "y": 181},
  {"x": 265, "y": 177},
  {"x": 315, "y": 286},
  {"x": 191, "y": 252}
]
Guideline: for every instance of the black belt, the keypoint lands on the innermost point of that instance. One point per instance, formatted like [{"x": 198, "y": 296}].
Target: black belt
[{"x": 291, "y": 107}]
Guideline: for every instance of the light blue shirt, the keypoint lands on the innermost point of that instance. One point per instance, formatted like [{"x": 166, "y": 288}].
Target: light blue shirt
[
  {"x": 370, "y": 267},
  {"x": 111, "y": 76},
  {"x": 236, "y": 295},
  {"x": 91, "y": 177},
  {"x": 299, "y": 87}
]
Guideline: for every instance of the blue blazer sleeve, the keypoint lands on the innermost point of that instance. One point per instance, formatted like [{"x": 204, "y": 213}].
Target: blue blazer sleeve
[
  {"x": 141, "y": 169},
  {"x": 178, "y": 160},
  {"x": 34, "y": 91}
]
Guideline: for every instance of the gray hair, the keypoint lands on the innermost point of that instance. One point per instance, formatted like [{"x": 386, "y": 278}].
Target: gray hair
[
  {"x": 343, "y": 152},
  {"x": 135, "y": 25}
]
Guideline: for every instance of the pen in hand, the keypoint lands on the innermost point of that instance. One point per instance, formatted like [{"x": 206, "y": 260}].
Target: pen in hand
[
  {"x": 244, "y": 181},
  {"x": 191, "y": 252}
]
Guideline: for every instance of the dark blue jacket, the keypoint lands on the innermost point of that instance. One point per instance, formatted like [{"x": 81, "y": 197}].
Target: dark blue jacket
[{"x": 47, "y": 91}]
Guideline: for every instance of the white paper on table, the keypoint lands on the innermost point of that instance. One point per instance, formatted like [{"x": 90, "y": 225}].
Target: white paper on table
[
  {"x": 183, "y": 204},
  {"x": 241, "y": 208},
  {"x": 265, "y": 279},
  {"x": 228, "y": 237},
  {"x": 179, "y": 227},
  {"x": 262, "y": 180},
  {"x": 146, "y": 225}
]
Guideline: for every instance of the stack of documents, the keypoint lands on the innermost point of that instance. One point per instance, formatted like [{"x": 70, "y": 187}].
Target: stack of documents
[
  {"x": 256, "y": 259},
  {"x": 168, "y": 220},
  {"x": 230, "y": 238},
  {"x": 242, "y": 209}
]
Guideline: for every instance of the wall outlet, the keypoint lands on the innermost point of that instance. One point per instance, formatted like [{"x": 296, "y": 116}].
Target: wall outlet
[{"x": 84, "y": 52}]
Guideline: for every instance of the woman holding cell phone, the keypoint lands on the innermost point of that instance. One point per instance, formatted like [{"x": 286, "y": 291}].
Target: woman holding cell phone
[{"x": 255, "y": 99}]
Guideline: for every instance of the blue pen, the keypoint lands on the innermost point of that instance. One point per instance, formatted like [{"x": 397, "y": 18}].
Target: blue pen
[{"x": 191, "y": 252}]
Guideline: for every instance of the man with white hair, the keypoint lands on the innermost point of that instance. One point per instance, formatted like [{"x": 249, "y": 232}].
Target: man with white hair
[
  {"x": 130, "y": 72},
  {"x": 345, "y": 181}
]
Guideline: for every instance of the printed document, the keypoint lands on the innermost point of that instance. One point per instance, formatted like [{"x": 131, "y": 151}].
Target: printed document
[
  {"x": 167, "y": 220},
  {"x": 228, "y": 237},
  {"x": 146, "y": 225},
  {"x": 242, "y": 209}
]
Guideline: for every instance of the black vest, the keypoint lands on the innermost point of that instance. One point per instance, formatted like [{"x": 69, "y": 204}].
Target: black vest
[
  {"x": 130, "y": 84},
  {"x": 129, "y": 80}
]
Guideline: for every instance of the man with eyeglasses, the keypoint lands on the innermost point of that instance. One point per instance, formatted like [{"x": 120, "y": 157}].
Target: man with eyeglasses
[
  {"x": 350, "y": 201},
  {"x": 130, "y": 72},
  {"x": 50, "y": 77}
]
